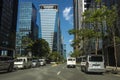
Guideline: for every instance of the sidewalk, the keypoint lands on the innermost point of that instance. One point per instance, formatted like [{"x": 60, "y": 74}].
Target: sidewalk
[{"x": 111, "y": 69}]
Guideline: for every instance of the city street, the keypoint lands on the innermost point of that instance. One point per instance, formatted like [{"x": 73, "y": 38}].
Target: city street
[{"x": 56, "y": 72}]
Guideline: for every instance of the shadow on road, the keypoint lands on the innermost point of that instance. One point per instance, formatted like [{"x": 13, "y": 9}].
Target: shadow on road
[
  {"x": 6, "y": 72},
  {"x": 94, "y": 73},
  {"x": 3, "y": 72}
]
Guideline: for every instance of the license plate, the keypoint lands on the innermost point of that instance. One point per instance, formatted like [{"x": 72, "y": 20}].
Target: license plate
[{"x": 96, "y": 66}]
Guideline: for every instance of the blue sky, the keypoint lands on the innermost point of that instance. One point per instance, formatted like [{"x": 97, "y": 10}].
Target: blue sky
[{"x": 66, "y": 17}]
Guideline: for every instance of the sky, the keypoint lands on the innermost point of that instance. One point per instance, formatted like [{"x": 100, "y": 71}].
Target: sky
[{"x": 66, "y": 17}]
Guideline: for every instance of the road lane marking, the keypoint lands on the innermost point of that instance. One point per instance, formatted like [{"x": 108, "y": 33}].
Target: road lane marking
[{"x": 58, "y": 72}]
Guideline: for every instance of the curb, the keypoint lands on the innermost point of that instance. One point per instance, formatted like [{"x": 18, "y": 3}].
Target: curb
[{"x": 112, "y": 70}]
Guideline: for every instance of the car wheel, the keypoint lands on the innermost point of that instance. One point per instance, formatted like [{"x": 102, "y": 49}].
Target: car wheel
[
  {"x": 86, "y": 71},
  {"x": 10, "y": 68},
  {"x": 67, "y": 66},
  {"x": 82, "y": 69}
]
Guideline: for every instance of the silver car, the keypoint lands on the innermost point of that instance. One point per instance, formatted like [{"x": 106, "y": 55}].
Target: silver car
[
  {"x": 6, "y": 63},
  {"x": 35, "y": 63}
]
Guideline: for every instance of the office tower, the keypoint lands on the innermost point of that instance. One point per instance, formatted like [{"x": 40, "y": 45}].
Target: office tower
[
  {"x": 8, "y": 18},
  {"x": 78, "y": 10},
  {"x": 79, "y": 7},
  {"x": 26, "y": 24},
  {"x": 50, "y": 25}
]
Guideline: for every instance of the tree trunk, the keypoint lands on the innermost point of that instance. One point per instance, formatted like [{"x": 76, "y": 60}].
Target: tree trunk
[
  {"x": 114, "y": 42},
  {"x": 84, "y": 47},
  {"x": 96, "y": 47},
  {"x": 107, "y": 57}
]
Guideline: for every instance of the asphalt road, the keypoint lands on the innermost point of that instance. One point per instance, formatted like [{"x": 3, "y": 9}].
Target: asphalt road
[{"x": 55, "y": 72}]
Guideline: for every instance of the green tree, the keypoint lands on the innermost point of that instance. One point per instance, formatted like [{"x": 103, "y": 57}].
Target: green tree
[
  {"x": 26, "y": 44},
  {"x": 76, "y": 41},
  {"x": 76, "y": 53},
  {"x": 84, "y": 35},
  {"x": 111, "y": 18},
  {"x": 55, "y": 56},
  {"x": 40, "y": 48},
  {"x": 117, "y": 39},
  {"x": 95, "y": 18}
]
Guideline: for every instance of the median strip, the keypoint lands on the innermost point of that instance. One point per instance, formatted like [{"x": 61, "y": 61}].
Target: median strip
[{"x": 53, "y": 65}]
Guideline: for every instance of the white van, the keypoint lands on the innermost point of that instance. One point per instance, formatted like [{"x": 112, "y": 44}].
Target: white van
[
  {"x": 93, "y": 63},
  {"x": 71, "y": 62},
  {"x": 23, "y": 62}
]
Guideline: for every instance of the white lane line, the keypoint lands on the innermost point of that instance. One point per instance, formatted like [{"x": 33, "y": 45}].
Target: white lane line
[{"x": 58, "y": 72}]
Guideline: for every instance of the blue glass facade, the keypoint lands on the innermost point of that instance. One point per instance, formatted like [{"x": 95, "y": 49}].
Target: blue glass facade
[
  {"x": 26, "y": 24},
  {"x": 49, "y": 26}
]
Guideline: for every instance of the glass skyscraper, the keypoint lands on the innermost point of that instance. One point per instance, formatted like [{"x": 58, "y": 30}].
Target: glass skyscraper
[
  {"x": 8, "y": 18},
  {"x": 26, "y": 24},
  {"x": 49, "y": 26},
  {"x": 79, "y": 7}
]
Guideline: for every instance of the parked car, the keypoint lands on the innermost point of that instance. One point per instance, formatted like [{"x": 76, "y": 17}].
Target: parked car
[
  {"x": 6, "y": 63},
  {"x": 93, "y": 63},
  {"x": 82, "y": 62},
  {"x": 35, "y": 63},
  {"x": 19, "y": 63},
  {"x": 42, "y": 62},
  {"x": 23, "y": 62}
]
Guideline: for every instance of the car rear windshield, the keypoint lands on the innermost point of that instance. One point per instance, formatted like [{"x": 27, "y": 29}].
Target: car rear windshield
[
  {"x": 34, "y": 60},
  {"x": 71, "y": 59},
  {"x": 96, "y": 58},
  {"x": 41, "y": 60},
  {"x": 18, "y": 60}
]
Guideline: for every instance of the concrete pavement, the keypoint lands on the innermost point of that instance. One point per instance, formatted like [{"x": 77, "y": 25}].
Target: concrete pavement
[{"x": 111, "y": 69}]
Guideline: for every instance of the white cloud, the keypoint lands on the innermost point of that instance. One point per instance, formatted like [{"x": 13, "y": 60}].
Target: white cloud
[
  {"x": 70, "y": 41},
  {"x": 67, "y": 13}
]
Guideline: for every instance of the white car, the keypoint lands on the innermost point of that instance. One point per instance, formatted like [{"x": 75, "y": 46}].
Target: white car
[
  {"x": 19, "y": 64},
  {"x": 42, "y": 62},
  {"x": 23, "y": 62},
  {"x": 35, "y": 63},
  {"x": 71, "y": 62}
]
